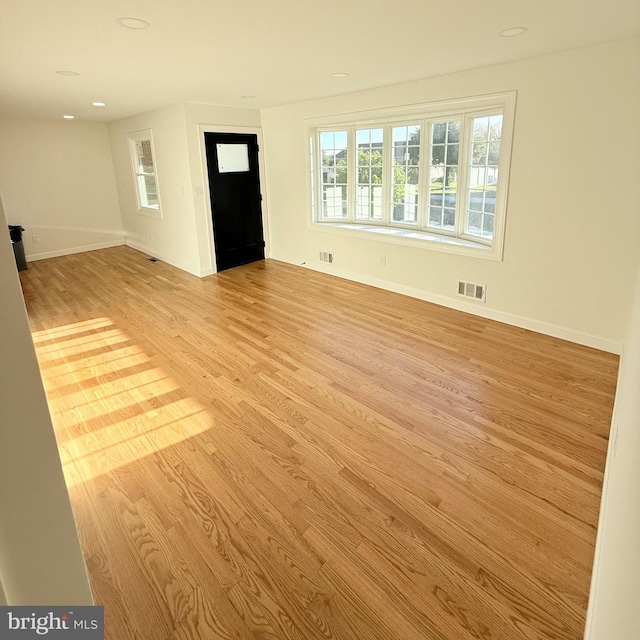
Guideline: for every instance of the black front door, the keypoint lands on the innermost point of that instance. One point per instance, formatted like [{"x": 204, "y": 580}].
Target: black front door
[{"x": 234, "y": 184}]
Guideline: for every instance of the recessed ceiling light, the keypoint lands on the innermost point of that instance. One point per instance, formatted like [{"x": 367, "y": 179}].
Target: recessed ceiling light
[
  {"x": 133, "y": 23},
  {"x": 247, "y": 97},
  {"x": 513, "y": 31},
  {"x": 68, "y": 117},
  {"x": 340, "y": 75},
  {"x": 99, "y": 104},
  {"x": 67, "y": 73}
]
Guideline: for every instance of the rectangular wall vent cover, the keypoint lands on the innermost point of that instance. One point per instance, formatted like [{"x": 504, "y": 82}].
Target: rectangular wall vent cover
[
  {"x": 326, "y": 256},
  {"x": 471, "y": 290}
]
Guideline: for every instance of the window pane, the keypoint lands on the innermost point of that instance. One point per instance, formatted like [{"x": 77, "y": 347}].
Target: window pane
[
  {"x": 363, "y": 136},
  {"x": 233, "y": 157},
  {"x": 439, "y": 130},
  {"x": 475, "y": 200},
  {"x": 483, "y": 175},
  {"x": 340, "y": 140},
  {"x": 151, "y": 191},
  {"x": 495, "y": 127},
  {"x": 477, "y": 176},
  {"x": 443, "y": 173},
  {"x": 369, "y": 172},
  {"x": 480, "y": 129},
  {"x": 437, "y": 154},
  {"x": 400, "y": 153},
  {"x": 334, "y": 201},
  {"x": 145, "y": 158},
  {"x": 449, "y": 218},
  {"x": 453, "y": 131},
  {"x": 399, "y": 134},
  {"x": 451, "y": 178},
  {"x": 479, "y": 154},
  {"x": 414, "y": 134},
  {"x": 406, "y": 173},
  {"x": 326, "y": 140},
  {"x": 148, "y": 191},
  {"x": 334, "y": 174},
  {"x": 487, "y": 225},
  {"x": 489, "y": 202},
  {"x": 376, "y": 136},
  {"x": 475, "y": 220},
  {"x": 493, "y": 156},
  {"x": 144, "y": 170},
  {"x": 452, "y": 154}
]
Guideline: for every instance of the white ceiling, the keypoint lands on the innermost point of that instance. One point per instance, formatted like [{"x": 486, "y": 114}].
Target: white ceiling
[{"x": 279, "y": 51}]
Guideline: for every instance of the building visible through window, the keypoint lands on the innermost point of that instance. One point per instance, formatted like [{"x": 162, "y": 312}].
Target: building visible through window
[{"x": 144, "y": 170}]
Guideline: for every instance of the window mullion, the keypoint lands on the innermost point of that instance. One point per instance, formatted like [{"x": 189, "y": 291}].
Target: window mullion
[
  {"x": 352, "y": 175},
  {"x": 318, "y": 175},
  {"x": 463, "y": 186},
  {"x": 387, "y": 174},
  {"x": 423, "y": 178}
]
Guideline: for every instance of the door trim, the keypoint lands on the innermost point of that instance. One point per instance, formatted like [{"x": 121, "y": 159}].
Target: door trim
[{"x": 214, "y": 128}]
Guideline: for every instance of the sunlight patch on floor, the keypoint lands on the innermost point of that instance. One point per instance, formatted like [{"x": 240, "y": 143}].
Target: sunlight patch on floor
[{"x": 110, "y": 404}]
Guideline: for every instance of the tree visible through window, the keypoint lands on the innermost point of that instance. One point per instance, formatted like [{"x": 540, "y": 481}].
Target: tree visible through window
[
  {"x": 369, "y": 168},
  {"x": 334, "y": 165},
  {"x": 443, "y": 174},
  {"x": 437, "y": 172},
  {"x": 483, "y": 175}
]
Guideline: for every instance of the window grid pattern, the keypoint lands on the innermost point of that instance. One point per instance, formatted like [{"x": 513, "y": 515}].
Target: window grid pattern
[
  {"x": 438, "y": 174},
  {"x": 335, "y": 167},
  {"x": 443, "y": 175},
  {"x": 145, "y": 175},
  {"x": 483, "y": 175},
  {"x": 406, "y": 173},
  {"x": 369, "y": 149}
]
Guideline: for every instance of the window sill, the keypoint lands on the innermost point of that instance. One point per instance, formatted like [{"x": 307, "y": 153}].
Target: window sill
[
  {"x": 411, "y": 237},
  {"x": 150, "y": 212}
]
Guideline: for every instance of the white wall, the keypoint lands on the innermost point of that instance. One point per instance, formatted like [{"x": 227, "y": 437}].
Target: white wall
[
  {"x": 57, "y": 181},
  {"x": 173, "y": 238},
  {"x": 40, "y": 557},
  {"x": 215, "y": 119},
  {"x": 183, "y": 237},
  {"x": 615, "y": 585},
  {"x": 572, "y": 225}
]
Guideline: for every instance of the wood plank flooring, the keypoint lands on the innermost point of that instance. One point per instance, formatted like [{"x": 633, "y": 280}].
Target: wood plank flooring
[{"x": 272, "y": 452}]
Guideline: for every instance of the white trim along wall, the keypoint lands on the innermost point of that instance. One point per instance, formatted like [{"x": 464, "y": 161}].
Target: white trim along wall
[
  {"x": 57, "y": 182},
  {"x": 572, "y": 229}
]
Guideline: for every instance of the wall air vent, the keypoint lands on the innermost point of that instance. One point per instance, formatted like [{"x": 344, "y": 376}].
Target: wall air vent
[
  {"x": 471, "y": 290},
  {"x": 326, "y": 256}
]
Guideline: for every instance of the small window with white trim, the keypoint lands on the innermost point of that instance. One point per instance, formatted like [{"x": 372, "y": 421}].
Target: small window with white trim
[
  {"x": 144, "y": 171},
  {"x": 433, "y": 175}
]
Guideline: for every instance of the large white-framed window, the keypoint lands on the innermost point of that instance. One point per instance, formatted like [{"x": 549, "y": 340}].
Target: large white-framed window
[
  {"x": 435, "y": 174},
  {"x": 144, "y": 172}
]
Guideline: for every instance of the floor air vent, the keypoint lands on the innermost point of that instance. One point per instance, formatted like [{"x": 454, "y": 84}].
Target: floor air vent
[
  {"x": 326, "y": 256},
  {"x": 471, "y": 290}
]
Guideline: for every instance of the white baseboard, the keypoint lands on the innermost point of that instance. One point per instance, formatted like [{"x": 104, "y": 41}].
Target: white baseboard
[
  {"x": 71, "y": 250},
  {"x": 172, "y": 261},
  {"x": 555, "y": 331}
]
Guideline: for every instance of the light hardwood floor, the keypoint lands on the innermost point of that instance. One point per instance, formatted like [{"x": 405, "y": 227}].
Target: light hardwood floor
[{"x": 276, "y": 453}]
